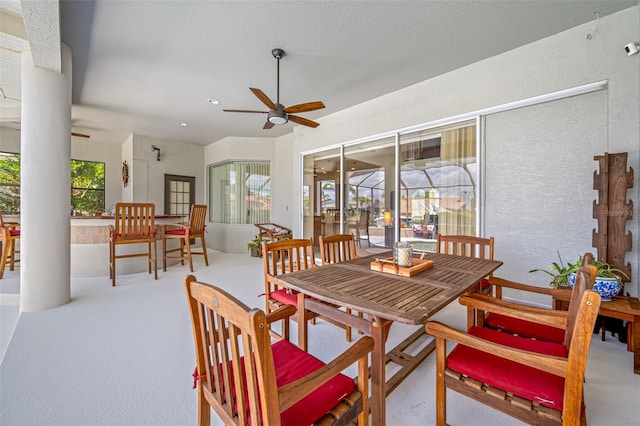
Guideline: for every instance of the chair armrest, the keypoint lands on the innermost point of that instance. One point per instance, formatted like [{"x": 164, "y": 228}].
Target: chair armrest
[
  {"x": 549, "y": 317},
  {"x": 561, "y": 294},
  {"x": 293, "y": 392},
  {"x": 281, "y": 313},
  {"x": 501, "y": 282},
  {"x": 551, "y": 364}
]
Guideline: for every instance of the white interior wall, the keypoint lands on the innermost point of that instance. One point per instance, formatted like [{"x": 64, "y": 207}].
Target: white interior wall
[
  {"x": 176, "y": 158},
  {"x": 558, "y": 62}
]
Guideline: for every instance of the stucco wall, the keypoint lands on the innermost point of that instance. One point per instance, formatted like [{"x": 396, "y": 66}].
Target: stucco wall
[{"x": 176, "y": 158}]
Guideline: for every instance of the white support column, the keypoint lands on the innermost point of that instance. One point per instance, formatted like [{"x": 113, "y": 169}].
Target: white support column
[{"x": 45, "y": 185}]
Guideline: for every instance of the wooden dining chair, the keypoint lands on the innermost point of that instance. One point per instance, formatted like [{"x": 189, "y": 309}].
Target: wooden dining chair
[
  {"x": 534, "y": 381},
  {"x": 494, "y": 312},
  {"x": 134, "y": 224},
  {"x": 339, "y": 248},
  {"x": 9, "y": 234},
  {"x": 184, "y": 233},
  {"x": 470, "y": 246},
  {"x": 248, "y": 380},
  {"x": 281, "y": 257}
]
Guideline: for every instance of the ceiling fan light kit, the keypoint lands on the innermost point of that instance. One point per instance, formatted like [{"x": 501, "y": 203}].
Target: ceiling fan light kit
[
  {"x": 277, "y": 116},
  {"x": 278, "y": 113}
]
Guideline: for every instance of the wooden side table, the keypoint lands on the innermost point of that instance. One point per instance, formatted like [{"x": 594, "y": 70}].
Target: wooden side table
[
  {"x": 273, "y": 232},
  {"x": 625, "y": 308}
]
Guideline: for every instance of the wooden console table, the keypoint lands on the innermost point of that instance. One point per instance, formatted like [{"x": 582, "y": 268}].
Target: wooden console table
[{"x": 625, "y": 308}]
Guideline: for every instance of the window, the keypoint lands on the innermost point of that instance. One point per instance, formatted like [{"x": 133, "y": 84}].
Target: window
[
  {"x": 240, "y": 192},
  {"x": 87, "y": 185}
]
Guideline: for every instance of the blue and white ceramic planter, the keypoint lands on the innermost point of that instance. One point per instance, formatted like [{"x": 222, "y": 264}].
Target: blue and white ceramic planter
[{"x": 607, "y": 287}]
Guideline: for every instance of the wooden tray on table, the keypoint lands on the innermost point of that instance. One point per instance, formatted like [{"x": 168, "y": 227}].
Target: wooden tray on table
[{"x": 388, "y": 266}]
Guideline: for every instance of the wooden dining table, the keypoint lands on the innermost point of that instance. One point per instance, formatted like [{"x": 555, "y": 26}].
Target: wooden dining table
[{"x": 384, "y": 298}]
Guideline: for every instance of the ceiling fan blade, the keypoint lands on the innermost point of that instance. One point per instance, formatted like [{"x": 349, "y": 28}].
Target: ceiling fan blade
[
  {"x": 303, "y": 121},
  {"x": 268, "y": 125},
  {"x": 245, "y": 110},
  {"x": 80, "y": 135},
  {"x": 263, "y": 98},
  {"x": 308, "y": 106}
]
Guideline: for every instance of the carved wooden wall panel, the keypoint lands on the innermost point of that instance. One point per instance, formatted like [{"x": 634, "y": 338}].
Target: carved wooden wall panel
[{"x": 612, "y": 210}]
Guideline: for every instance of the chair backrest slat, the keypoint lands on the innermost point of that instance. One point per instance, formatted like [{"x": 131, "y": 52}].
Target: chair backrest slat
[
  {"x": 466, "y": 245},
  {"x": 198, "y": 218},
  {"x": 135, "y": 219},
  {"x": 232, "y": 348},
  {"x": 576, "y": 295},
  {"x": 337, "y": 248},
  {"x": 285, "y": 256}
]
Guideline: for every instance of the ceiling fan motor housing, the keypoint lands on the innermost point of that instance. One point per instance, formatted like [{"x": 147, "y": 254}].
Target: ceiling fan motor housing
[{"x": 277, "y": 115}]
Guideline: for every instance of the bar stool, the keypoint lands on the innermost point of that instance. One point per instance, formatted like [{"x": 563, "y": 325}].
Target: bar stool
[
  {"x": 9, "y": 233},
  {"x": 134, "y": 224},
  {"x": 184, "y": 233}
]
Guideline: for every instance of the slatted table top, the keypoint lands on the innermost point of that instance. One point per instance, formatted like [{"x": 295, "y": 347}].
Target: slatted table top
[{"x": 410, "y": 300}]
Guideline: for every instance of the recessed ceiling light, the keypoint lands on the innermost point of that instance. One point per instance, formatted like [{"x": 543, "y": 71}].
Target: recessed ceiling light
[
  {"x": 213, "y": 101},
  {"x": 182, "y": 124}
]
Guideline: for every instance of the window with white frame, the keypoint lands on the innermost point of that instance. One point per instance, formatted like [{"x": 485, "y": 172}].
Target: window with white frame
[{"x": 240, "y": 192}]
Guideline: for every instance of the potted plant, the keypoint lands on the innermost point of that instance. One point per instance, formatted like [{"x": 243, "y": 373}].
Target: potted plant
[
  {"x": 608, "y": 279},
  {"x": 255, "y": 247},
  {"x": 560, "y": 273}
]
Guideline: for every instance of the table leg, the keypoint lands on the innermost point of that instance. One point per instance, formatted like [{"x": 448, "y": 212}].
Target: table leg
[
  {"x": 635, "y": 337},
  {"x": 379, "y": 332},
  {"x": 302, "y": 324}
]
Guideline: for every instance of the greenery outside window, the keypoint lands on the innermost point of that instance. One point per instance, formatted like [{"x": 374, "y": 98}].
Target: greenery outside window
[
  {"x": 10, "y": 183},
  {"x": 87, "y": 185},
  {"x": 240, "y": 192}
]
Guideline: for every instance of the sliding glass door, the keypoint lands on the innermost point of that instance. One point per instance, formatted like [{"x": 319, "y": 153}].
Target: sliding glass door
[{"x": 428, "y": 187}]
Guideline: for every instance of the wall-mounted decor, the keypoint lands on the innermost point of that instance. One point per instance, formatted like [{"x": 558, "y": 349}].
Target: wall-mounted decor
[
  {"x": 612, "y": 210},
  {"x": 125, "y": 174}
]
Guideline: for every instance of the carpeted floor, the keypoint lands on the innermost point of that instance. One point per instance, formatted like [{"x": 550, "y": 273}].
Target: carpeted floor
[{"x": 124, "y": 356}]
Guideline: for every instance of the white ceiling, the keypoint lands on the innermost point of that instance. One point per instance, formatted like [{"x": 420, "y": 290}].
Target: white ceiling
[{"x": 142, "y": 66}]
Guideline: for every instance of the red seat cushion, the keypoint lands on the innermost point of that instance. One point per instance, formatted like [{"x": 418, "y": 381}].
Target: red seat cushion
[
  {"x": 521, "y": 380},
  {"x": 176, "y": 231},
  {"x": 292, "y": 363},
  {"x": 14, "y": 232},
  {"x": 285, "y": 296},
  {"x": 484, "y": 284},
  {"x": 524, "y": 328}
]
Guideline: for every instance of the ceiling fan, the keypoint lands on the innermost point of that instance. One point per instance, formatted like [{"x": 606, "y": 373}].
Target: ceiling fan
[{"x": 278, "y": 113}]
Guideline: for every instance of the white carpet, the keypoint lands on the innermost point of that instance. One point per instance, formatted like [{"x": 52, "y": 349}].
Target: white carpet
[{"x": 124, "y": 356}]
